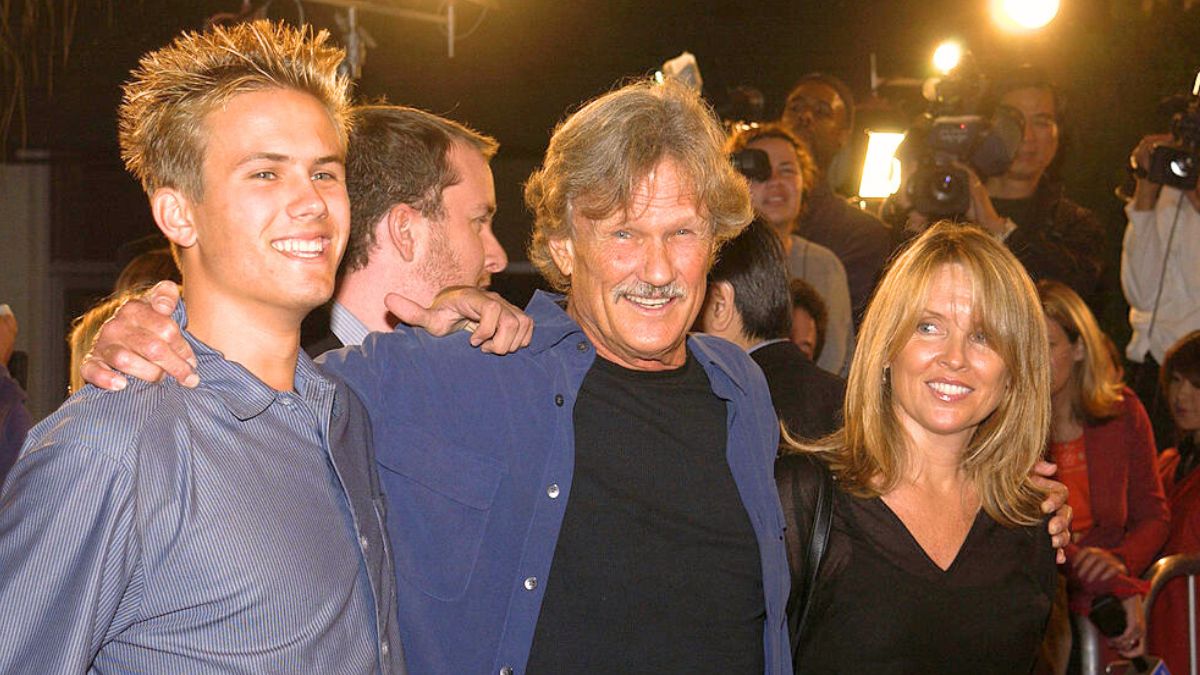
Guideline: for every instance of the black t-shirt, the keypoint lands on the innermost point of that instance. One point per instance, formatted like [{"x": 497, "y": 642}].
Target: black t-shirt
[
  {"x": 883, "y": 606},
  {"x": 657, "y": 567}
]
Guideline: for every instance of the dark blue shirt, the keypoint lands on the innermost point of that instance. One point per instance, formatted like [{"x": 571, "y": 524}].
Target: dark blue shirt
[
  {"x": 476, "y": 455},
  {"x": 229, "y": 528}
]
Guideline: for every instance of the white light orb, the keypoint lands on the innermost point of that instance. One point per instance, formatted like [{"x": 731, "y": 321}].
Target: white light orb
[
  {"x": 1024, "y": 15},
  {"x": 947, "y": 56}
]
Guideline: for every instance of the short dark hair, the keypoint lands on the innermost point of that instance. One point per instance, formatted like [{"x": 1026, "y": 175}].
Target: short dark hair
[
  {"x": 805, "y": 297},
  {"x": 843, "y": 91},
  {"x": 752, "y": 263},
  {"x": 399, "y": 155}
]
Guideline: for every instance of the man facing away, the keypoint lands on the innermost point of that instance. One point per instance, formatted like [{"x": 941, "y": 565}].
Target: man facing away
[
  {"x": 748, "y": 303},
  {"x": 422, "y": 200},
  {"x": 239, "y": 525}
]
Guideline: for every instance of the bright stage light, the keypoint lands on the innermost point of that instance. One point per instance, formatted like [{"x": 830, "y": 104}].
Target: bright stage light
[
  {"x": 1024, "y": 15},
  {"x": 881, "y": 170},
  {"x": 946, "y": 56}
]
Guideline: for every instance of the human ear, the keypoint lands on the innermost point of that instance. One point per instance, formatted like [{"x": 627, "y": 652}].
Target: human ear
[
  {"x": 399, "y": 225},
  {"x": 173, "y": 212},
  {"x": 562, "y": 251},
  {"x": 718, "y": 306}
]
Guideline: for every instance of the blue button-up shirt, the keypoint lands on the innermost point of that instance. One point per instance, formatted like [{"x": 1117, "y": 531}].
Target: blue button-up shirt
[
  {"x": 229, "y": 528},
  {"x": 476, "y": 456}
]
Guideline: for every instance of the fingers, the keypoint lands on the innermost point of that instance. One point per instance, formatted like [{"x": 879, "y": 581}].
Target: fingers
[
  {"x": 1045, "y": 468},
  {"x": 510, "y": 328},
  {"x": 163, "y": 297},
  {"x": 141, "y": 341},
  {"x": 408, "y": 311}
]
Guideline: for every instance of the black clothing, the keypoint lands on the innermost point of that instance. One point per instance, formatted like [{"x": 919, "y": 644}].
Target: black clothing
[
  {"x": 882, "y": 606},
  {"x": 861, "y": 241},
  {"x": 806, "y": 398},
  {"x": 316, "y": 337},
  {"x": 675, "y": 580},
  {"x": 1056, "y": 239}
]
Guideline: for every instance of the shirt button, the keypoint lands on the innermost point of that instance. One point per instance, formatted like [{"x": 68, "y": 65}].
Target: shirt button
[
  {"x": 552, "y": 491},
  {"x": 506, "y": 670},
  {"x": 363, "y": 543},
  {"x": 558, "y": 400},
  {"x": 530, "y": 583},
  {"x": 384, "y": 649},
  {"x": 582, "y": 346}
]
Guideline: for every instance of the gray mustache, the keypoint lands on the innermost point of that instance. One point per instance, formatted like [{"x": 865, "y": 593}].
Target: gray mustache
[{"x": 646, "y": 290}]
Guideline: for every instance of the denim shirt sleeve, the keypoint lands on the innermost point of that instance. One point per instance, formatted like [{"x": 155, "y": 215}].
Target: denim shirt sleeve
[{"x": 69, "y": 556}]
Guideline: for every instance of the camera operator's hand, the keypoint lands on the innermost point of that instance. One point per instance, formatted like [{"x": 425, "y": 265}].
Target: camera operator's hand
[
  {"x": 981, "y": 211},
  {"x": 1145, "y": 194},
  {"x": 898, "y": 210}
]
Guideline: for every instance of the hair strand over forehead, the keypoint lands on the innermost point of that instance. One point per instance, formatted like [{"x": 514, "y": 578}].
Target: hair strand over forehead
[{"x": 161, "y": 117}]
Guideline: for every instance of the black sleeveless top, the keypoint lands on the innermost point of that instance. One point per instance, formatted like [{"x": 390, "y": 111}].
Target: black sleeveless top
[{"x": 883, "y": 606}]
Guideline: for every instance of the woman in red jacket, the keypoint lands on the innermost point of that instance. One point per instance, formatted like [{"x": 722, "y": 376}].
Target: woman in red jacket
[
  {"x": 1180, "y": 376},
  {"x": 1101, "y": 439}
]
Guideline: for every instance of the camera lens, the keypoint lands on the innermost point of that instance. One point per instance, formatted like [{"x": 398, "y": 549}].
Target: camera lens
[{"x": 1183, "y": 166}]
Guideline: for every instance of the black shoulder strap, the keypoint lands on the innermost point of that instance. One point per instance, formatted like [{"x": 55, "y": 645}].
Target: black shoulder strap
[{"x": 818, "y": 538}]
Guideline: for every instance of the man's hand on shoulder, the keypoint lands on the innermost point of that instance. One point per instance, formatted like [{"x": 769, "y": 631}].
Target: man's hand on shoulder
[
  {"x": 141, "y": 340},
  {"x": 496, "y": 326},
  {"x": 1056, "y": 504}
]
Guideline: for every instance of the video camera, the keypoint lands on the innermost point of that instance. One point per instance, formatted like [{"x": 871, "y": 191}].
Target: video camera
[
  {"x": 952, "y": 130},
  {"x": 1179, "y": 165}
]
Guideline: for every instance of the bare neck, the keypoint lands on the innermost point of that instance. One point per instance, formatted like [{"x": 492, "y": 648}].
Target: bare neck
[
  {"x": 265, "y": 342},
  {"x": 362, "y": 292}
]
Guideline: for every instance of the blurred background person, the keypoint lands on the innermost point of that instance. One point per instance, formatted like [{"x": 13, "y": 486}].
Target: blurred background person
[
  {"x": 1101, "y": 440},
  {"x": 810, "y": 319},
  {"x": 85, "y": 327},
  {"x": 937, "y": 560},
  {"x": 1177, "y": 466},
  {"x": 747, "y": 303},
  {"x": 820, "y": 111},
  {"x": 15, "y": 420},
  {"x": 147, "y": 269},
  {"x": 778, "y": 199},
  {"x": 1160, "y": 274}
]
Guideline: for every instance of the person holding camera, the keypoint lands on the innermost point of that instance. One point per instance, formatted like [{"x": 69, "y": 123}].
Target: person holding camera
[
  {"x": 1160, "y": 272},
  {"x": 1024, "y": 205},
  {"x": 778, "y": 191}
]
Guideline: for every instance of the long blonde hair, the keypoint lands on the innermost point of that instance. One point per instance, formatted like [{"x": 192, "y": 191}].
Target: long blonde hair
[
  {"x": 869, "y": 454},
  {"x": 1096, "y": 381}
]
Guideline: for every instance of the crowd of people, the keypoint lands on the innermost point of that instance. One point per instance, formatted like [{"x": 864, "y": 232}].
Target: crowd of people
[{"x": 753, "y": 428}]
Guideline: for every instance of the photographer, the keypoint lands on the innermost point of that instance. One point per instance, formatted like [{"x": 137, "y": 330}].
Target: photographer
[
  {"x": 1052, "y": 236},
  {"x": 1163, "y": 291}
]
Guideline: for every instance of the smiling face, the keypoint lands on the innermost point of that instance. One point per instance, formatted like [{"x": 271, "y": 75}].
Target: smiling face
[
  {"x": 462, "y": 249},
  {"x": 1040, "y": 142},
  {"x": 638, "y": 276},
  {"x": 946, "y": 379},
  {"x": 271, "y": 225},
  {"x": 777, "y": 199}
]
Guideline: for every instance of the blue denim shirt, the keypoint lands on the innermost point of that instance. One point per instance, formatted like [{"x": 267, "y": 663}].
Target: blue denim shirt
[{"x": 476, "y": 455}]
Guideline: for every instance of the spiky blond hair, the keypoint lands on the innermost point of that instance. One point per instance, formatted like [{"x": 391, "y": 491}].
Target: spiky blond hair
[{"x": 161, "y": 117}]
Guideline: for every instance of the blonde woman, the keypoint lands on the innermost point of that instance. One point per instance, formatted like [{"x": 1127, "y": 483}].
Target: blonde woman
[
  {"x": 938, "y": 559},
  {"x": 1101, "y": 440}
]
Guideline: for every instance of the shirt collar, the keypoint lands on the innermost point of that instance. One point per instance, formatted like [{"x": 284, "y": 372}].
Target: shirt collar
[
  {"x": 765, "y": 343},
  {"x": 551, "y": 323},
  {"x": 243, "y": 394},
  {"x": 345, "y": 326}
]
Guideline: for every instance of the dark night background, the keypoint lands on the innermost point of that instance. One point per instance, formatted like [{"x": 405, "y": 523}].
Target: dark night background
[{"x": 530, "y": 61}]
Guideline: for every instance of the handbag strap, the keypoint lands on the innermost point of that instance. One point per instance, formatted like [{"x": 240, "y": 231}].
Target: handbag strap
[{"x": 818, "y": 538}]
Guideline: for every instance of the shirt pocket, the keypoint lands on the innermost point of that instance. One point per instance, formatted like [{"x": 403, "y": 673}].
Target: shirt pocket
[{"x": 439, "y": 500}]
